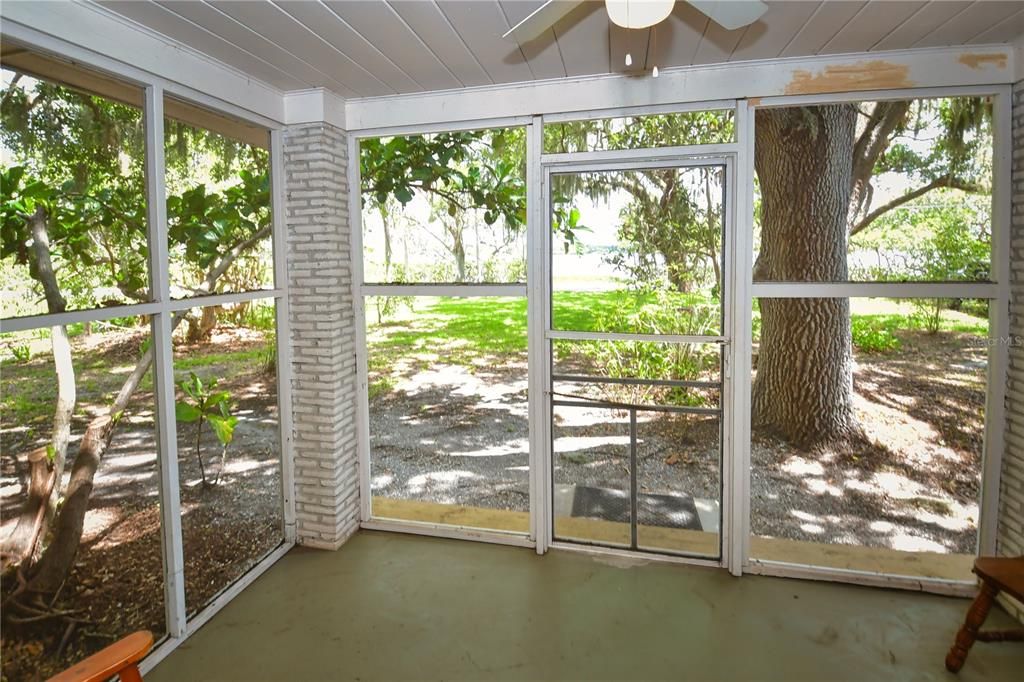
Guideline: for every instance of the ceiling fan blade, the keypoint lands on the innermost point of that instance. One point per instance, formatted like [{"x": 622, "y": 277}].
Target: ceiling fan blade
[
  {"x": 541, "y": 19},
  {"x": 732, "y": 14}
]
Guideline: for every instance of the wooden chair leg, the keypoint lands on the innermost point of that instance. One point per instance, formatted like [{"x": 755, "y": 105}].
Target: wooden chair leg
[
  {"x": 969, "y": 630},
  {"x": 130, "y": 674}
]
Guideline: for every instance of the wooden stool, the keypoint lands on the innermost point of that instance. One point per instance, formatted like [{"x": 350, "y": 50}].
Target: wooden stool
[
  {"x": 997, "y": 575},
  {"x": 120, "y": 658}
]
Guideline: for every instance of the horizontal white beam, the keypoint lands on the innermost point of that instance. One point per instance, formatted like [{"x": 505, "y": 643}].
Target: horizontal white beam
[
  {"x": 497, "y": 537},
  {"x": 694, "y": 155},
  {"x": 443, "y": 290},
  {"x": 222, "y": 299},
  {"x": 673, "y": 108},
  {"x": 953, "y": 588},
  {"x": 876, "y": 95},
  {"x": 447, "y": 127},
  {"x": 94, "y": 36},
  {"x": 875, "y": 290},
  {"x": 924, "y": 68},
  {"x": 19, "y": 324},
  {"x": 616, "y": 336}
]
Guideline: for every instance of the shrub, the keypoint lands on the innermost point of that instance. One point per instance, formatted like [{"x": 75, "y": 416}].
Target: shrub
[
  {"x": 660, "y": 312},
  {"x": 202, "y": 404},
  {"x": 876, "y": 334},
  {"x": 21, "y": 352}
]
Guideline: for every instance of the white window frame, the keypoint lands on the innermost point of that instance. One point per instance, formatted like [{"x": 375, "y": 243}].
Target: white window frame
[
  {"x": 736, "y": 468},
  {"x": 535, "y": 290},
  {"x": 996, "y": 291},
  {"x": 362, "y": 289},
  {"x": 161, "y": 308}
]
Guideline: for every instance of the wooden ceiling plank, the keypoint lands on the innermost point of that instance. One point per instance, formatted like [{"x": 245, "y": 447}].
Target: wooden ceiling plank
[
  {"x": 827, "y": 21},
  {"x": 979, "y": 17},
  {"x": 436, "y": 32},
  {"x": 583, "y": 40},
  {"x": 480, "y": 24},
  {"x": 320, "y": 20},
  {"x": 920, "y": 24},
  {"x": 270, "y": 22},
  {"x": 870, "y": 25},
  {"x": 770, "y": 35},
  {"x": 167, "y": 23},
  {"x": 717, "y": 44},
  {"x": 383, "y": 28},
  {"x": 542, "y": 53},
  {"x": 230, "y": 30},
  {"x": 1005, "y": 31},
  {"x": 674, "y": 42},
  {"x": 623, "y": 41}
]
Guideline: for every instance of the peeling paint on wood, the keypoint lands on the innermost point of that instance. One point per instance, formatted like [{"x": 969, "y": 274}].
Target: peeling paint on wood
[
  {"x": 976, "y": 61},
  {"x": 754, "y": 101},
  {"x": 870, "y": 75}
]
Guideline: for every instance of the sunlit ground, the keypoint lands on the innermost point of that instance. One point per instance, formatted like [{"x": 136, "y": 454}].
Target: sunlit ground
[{"x": 448, "y": 411}]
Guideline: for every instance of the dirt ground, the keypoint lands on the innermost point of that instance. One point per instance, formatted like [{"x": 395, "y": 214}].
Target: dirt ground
[
  {"x": 453, "y": 435},
  {"x": 117, "y": 581}
]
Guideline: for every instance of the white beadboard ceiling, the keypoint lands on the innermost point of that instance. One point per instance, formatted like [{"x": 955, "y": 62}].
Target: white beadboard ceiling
[{"x": 366, "y": 48}]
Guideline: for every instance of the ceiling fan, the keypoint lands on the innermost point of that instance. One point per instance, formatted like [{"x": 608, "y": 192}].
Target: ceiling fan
[{"x": 730, "y": 14}]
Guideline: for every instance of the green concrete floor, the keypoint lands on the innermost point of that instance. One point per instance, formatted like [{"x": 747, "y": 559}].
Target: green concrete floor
[{"x": 395, "y": 607}]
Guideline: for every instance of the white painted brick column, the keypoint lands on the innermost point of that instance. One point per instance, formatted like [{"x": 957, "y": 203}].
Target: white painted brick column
[
  {"x": 1010, "y": 538},
  {"x": 322, "y": 335}
]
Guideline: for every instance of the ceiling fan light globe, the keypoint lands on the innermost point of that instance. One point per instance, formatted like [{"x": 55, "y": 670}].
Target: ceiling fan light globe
[{"x": 638, "y": 13}]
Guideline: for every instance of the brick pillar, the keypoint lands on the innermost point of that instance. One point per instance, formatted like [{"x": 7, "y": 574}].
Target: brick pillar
[
  {"x": 1010, "y": 538},
  {"x": 322, "y": 335}
]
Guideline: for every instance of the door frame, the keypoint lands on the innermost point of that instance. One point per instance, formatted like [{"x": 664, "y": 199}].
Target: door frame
[{"x": 732, "y": 523}]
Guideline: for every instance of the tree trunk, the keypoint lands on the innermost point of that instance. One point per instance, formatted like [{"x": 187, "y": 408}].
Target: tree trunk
[
  {"x": 56, "y": 562},
  {"x": 200, "y": 330},
  {"x": 459, "y": 251},
  {"x": 46, "y": 464},
  {"x": 20, "y": 546},
  {"x": 804, "y": 383},
  {"x": 385, "y": 221},
  {"x": 67, "y": 396}
]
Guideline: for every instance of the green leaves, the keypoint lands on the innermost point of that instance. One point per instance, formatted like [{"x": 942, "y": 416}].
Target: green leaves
[
  {"x": 203, "y": 225},
  {"x": 20, "y": 193},
  {"x": 187, "y": 413},
  {"x": 466, "y": 170},
  {"x": 203, "y": 403},
  {"x": 223, "y": 427}
]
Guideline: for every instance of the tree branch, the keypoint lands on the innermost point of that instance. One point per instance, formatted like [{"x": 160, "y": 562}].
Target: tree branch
[
  {"x": 937, "y": 183},
  {"x": 872, "y": 143},
  {"x": 229, "y": 257},
  {"x": 11, "y": 88},
  {"x": 43, "y": 271}
]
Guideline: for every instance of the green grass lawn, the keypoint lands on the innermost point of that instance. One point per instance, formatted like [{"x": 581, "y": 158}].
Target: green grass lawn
[
  {"x": 469, "y": 331},
  {"x": 29, "y": 388},
  {"x": 498, "y": 325}
]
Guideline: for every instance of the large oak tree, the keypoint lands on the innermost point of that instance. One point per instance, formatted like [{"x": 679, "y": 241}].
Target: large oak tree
[{"x": 815, "y": 167}]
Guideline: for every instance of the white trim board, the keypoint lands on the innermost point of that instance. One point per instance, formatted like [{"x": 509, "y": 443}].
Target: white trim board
[
  {"x": 94, "y": 36},
  {"x": 923, "y": 68},
  {"x": 314, "y": 106}
]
